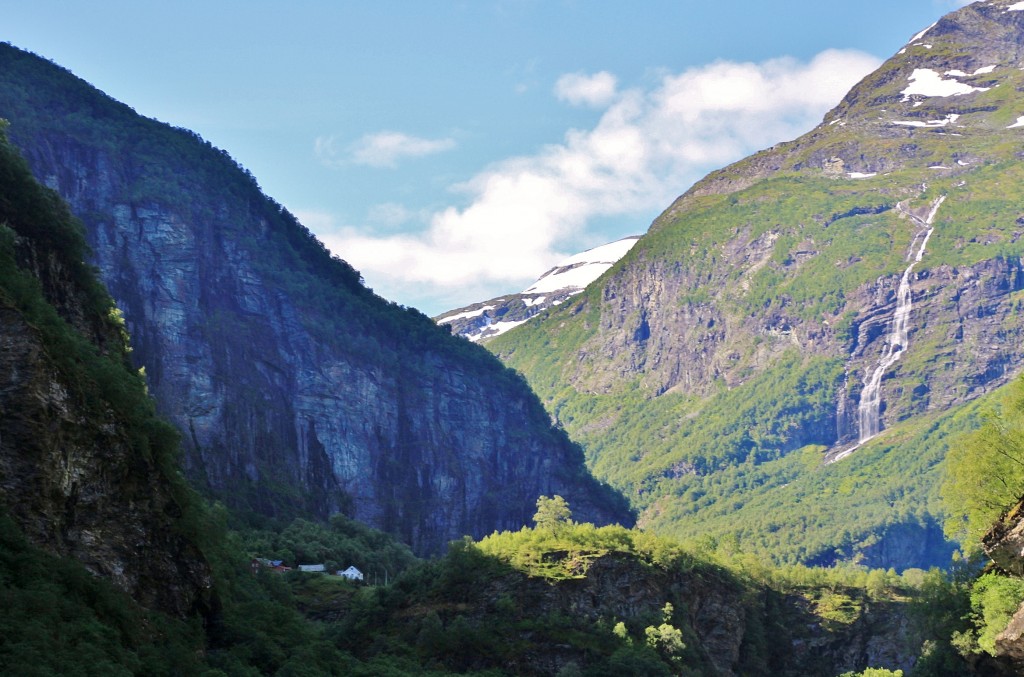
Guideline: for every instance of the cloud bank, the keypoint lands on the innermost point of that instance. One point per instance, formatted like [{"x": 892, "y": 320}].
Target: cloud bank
[{"x": 525, "y": 213}]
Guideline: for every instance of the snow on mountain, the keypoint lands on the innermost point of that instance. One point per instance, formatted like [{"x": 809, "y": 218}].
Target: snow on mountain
[
  {"x": 570, "y": 277},
  {"x": 577, "y": 271}
]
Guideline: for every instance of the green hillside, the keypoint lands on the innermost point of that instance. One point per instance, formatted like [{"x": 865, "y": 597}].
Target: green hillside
[{"x": 712, "y": 372}]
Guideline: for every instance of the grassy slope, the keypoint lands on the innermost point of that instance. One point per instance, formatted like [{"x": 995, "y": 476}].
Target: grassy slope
[{"x": 737, "y": 438}]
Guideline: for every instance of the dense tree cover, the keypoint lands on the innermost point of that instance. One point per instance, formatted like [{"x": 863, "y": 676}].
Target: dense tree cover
[
  {"x": 472, "y": 611},
  {"x": 340, "y": 543},
  {"x": 985, "y": 469},
  {"x": 57, "y": 619},
  {"x": 994, "y": 600},
  {"x": 984, "y": 479},
  {"x": 60, "y": 620},
  {"x": 581, "y": 543}
]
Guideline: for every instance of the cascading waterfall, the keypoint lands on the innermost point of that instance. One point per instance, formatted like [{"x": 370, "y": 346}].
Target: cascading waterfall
[{"x": 870, "y": 397}]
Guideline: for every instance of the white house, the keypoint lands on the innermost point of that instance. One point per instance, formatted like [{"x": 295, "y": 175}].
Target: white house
[{"x": 352, "y": 574}]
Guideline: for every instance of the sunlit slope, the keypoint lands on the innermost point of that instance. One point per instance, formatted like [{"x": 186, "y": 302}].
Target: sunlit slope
[{"x": 741, "y": 328}]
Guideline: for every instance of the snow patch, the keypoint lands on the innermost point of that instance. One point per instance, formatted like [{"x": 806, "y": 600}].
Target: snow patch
[
  {"x": 926, "y": 82},
  {"x": 533, "y": 301},
  {"x": 938, "y": 167},
  {"x": 1015, "y": 7},
  {"x": 984, "y": 69},
  {"x": 921, "y": 34},
  {"x": 499, "y": 328},
  {"x": 956, "y": 73},
  {"x": 952, "y": 117},
  {"x": 861, "y": 175},
  {"x": 464, "y": 315},
  {"x": 580, "y": 270},
  {"x": 1019, "y": 122}
]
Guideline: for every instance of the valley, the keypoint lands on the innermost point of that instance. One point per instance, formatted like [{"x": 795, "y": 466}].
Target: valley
[{"x": 780, "y": 433}]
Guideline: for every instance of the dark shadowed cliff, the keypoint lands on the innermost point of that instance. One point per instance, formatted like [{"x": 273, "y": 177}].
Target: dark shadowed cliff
[
  {"x": 295, "y": 388},
  {"x": 86, "y": 469}
]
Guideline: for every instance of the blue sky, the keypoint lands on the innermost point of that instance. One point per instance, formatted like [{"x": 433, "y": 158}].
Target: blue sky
[{"x": 455, "y": 150}]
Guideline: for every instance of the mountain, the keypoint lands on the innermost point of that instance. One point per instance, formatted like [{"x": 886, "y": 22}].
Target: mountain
[
  {"x": 297, "y": 390},
  {"x": 481, "y": 321},
  {"x": 848, "y": 296},
  {"x": 87, "y": 471},
  {"x": 102, "y": 571}
]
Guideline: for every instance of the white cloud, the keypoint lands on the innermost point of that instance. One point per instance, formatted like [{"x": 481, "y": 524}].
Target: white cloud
[
  {"x": 648, "y": 147},
  {"x": 383, "y": 149},
  {"x": 593, "y": 90}
]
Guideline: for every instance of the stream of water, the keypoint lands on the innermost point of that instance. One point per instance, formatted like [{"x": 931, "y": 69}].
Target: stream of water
[{"x": 871, "y": 397}]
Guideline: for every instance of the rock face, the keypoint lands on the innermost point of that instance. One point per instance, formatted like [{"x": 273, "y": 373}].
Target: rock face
[
  {"x": 769, "y": 289},
  {"x": 296, "y": 389},
  {"x": 1004, "y": 545},
  {"x": 1010, "y": 642},
  {"x": 481, "y": 321},
  {"x": 77, "y": 475},
  {"x": 618, "y": 587},
  {"x": 731, "y": 627}
]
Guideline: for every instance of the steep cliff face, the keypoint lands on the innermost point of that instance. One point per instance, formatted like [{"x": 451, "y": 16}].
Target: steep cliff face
[
  {"x": 295, "y": 388},
  {"x": 729, "y": 626},
  {"x": 859, "y": 279},
  {"x": 82, "y": 470}
]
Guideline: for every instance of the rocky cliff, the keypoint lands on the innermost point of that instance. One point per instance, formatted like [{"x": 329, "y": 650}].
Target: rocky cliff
[
  {"x": 727, "y": 625},
  {"x": 1004, "y": 545},
  {"x": 861, "y": 279},
  {"x": 85, "y": 468},
  {"x": 295, "y": 388}
]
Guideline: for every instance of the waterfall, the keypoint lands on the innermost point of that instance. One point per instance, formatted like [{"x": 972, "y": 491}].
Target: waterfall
[{"x": 870, "y": 397}]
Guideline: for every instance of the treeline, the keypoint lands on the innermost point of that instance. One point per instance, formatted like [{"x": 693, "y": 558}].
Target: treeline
[
  {"x": 984, "y": 480},
  {"x": 509, "y": 604}
]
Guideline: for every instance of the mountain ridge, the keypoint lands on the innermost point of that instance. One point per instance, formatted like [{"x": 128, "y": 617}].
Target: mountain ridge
[
  {"x": 737, "y": 337},
  {"x": 487, "y": 319},
  {"x": 297, "y": 391}
]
